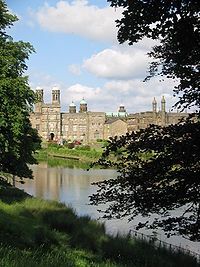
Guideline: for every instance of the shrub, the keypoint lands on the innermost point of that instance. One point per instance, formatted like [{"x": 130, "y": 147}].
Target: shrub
[{"x": 70, "y": 145}]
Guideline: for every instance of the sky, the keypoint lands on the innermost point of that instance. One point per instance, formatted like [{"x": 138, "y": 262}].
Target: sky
[{"x": 77, "y": 51}]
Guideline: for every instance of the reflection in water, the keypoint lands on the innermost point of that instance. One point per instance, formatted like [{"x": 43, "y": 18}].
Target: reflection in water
[
  {"x": 69, "y": 185},
  {"x": 73, "y": 186}
]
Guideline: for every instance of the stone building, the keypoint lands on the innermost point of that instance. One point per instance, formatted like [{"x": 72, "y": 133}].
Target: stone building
[
  {"x": 87, "y": 126},
  {"x": 52, "y": 124},
  {"x": 114, "y": 126},
  {"x": 142, "y": 120}
]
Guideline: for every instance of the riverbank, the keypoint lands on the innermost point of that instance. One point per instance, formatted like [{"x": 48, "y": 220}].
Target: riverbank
[
  {"x": 86, "y": 154},
  {"x": 48, "y": 233}
]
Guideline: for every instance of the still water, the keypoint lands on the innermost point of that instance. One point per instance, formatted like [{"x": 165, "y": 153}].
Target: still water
[{"x": 72, "y": 186}]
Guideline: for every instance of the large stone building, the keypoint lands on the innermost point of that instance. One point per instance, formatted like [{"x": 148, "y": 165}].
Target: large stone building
[
  {"x": 86, "y": 126},
  {"x": 142, "y": 120}
]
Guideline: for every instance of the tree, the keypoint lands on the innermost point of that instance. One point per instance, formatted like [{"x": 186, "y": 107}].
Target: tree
[
  {"x": 175, "y": 24},
  {"x": 159, "y": 167},
  {"x": 18, "y": 140}
]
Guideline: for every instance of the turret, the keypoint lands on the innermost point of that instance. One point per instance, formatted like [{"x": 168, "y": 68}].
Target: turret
[
  {"x": 122, "y": 108},
  {"x": 163, "y": 102},
  {"x": 83, "y": 106},
  {"x": 163, "y": 113},
  {"x": 39, "y": 94},
  {"x": 55, "y": 95},
  {"x": 154, "y": 105},
  {"x": 72, "y": 108},
  {"x": 39, "y": 100}
]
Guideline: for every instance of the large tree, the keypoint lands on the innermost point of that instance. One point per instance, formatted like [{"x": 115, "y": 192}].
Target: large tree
[
  {"x": 18, "y": 140},
  {"x": 159, "y": 167},
  {"x": 175, "y": 25}
]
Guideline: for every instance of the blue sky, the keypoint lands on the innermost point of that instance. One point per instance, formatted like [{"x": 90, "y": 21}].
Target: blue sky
[{"x": 77, "y": 51}]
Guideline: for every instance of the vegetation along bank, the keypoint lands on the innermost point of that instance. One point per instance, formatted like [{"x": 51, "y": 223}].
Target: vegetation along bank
[{"x": 48, "y": 233}]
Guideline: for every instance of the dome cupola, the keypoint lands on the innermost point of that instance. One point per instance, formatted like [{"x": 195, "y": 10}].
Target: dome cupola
[
  {"x": 72, "y": 107},
  {"x": 122, "y": 108},
  {"x": 83, "y": 105}
]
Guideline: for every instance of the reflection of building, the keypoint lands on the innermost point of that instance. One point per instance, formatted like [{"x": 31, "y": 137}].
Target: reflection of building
[{"x": 87, "y": 126}]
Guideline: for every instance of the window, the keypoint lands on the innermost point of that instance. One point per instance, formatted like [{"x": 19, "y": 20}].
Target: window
[
  {"x": 74, "y": 128},
  {"x": 82, "y": 128},
  {"x": 37, "y": 127}
]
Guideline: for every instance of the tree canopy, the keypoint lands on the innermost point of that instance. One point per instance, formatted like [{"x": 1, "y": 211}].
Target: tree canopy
[
  {"x": 159, "y": 171},
  {"x": 175, "y": 24},
  {"x": 159, "y": 167},
  {"x": 17, "y": 138}
]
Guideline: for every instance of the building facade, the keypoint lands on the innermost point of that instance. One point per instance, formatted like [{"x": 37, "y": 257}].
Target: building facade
[
  {"x": 87, "y": 126},
  {"x": 142, "y": 120}
]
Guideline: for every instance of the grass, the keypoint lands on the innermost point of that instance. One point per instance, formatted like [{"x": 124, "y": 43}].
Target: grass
[
  {"x": 80, "y": 156},
  {"x": 47, "y": 233},
  {"x": 60, "y": 151}
]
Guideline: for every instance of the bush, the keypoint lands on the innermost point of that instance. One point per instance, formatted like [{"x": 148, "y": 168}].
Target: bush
[{"x": 70, "y": 145}]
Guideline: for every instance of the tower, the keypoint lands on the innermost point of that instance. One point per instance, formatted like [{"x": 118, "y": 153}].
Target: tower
[
  {"x": 39, "y": 94},
  {"x": 55, "y": 95},
  {"x": 163, "y": 113},
  {"x": 163, "y": 102},
  {"x": 83, "y": 106},
  {"x": 39, "y": 99},
  {"x": 72, "y": 108},
  {"x": 154, "y": 105}
]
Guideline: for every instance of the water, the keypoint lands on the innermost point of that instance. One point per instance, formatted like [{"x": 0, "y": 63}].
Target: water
[{"x": 72, "y": 185}]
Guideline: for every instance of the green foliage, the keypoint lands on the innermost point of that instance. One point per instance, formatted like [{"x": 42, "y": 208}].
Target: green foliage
[
  {"x": 17, "y": 138},
  {"x": 11, "y": 194},
  {"x": 53, "y": 145},
  {"x": 85, "y": 153},
  {"x": 175, "y": 24},
  {"x": 84, "y": 147},
  {"x": 166, "y": 178},
  {"x": 47, "y": 233},
  {"x": 159, "y": 168}
]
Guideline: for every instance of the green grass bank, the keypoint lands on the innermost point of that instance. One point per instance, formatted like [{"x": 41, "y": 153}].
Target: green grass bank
[
  {"x": 35, "y": 232},
  {"x": 83, "y": 153}
]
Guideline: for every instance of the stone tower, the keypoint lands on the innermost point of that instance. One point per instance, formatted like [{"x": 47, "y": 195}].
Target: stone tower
[
  {"x": 163, "y": 111},
  {"x": 154, "y": 105},
  {"x": 39, "y": 94},
  {"x": 39, "y": 99},
  {"x": 163, "y": 104},
  {"x": 72, "y": 108},
  {"x": 83, "y": 106},
  {"x": 55, "y": 95}
]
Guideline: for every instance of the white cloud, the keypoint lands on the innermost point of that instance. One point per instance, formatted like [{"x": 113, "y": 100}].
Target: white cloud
[
  {"x": 78, "y": 17},
  {"x": 78, "y": 91},
  {"x": 118, "y": 63},
  {"x": 137, "y": 96},
  {"x": 75, "y": 69}
]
